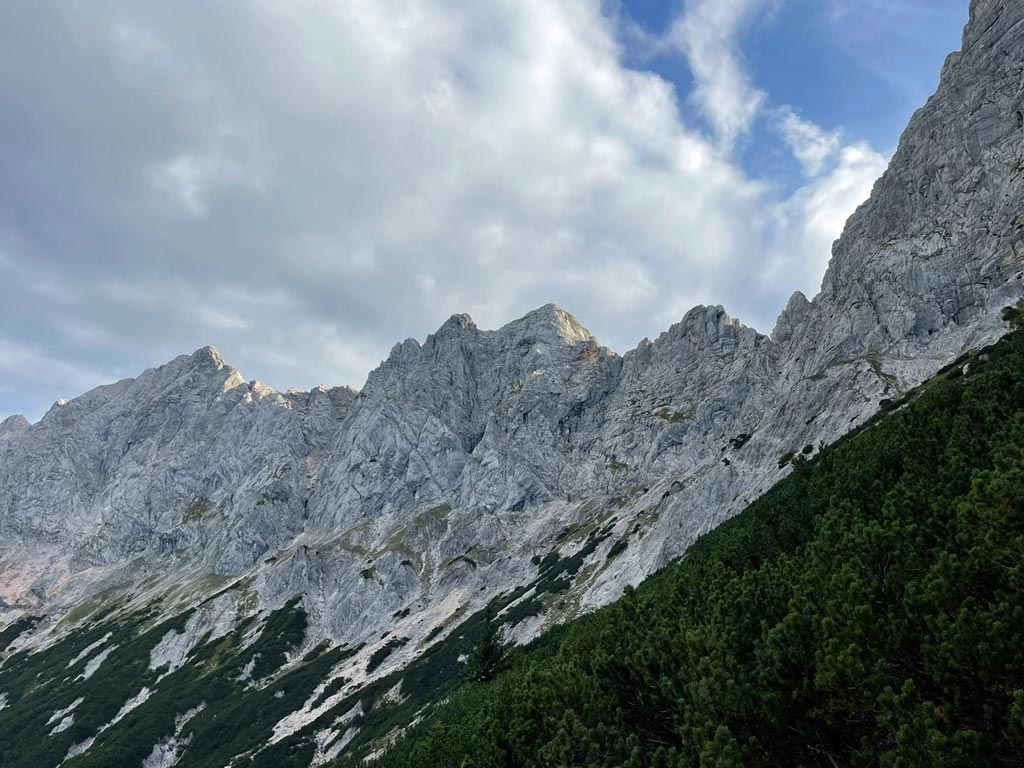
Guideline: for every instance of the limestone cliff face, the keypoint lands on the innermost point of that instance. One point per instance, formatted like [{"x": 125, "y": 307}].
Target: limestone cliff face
[
  {"x": 467, "y": 456},
  {"x": 939, "y": 246},
  {"x": 187, "y": 460}
]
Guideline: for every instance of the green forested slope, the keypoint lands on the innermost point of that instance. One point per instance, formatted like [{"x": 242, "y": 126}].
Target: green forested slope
[{"x": 869, "y": 610}]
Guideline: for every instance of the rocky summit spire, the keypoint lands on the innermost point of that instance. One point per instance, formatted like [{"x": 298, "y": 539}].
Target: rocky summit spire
[
  {"x": 15, "y": 423},
  {"x": 548, "y": 323},
  {"x": 456, "y": 325}
]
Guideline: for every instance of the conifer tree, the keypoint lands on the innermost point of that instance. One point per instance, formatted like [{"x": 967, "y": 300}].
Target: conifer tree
[
  {"x": 1015, "y": 317},
  {"x": 489, "y": 653}
]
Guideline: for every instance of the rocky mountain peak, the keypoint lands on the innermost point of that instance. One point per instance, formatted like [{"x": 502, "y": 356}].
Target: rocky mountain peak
[
  {"x": 456, "y": 325},
  {"x": 15, "y": 423},
  {"x": 549, "y": 323},
  {"x": 209, "y": 354},
  {"x": 708, "y": 329},
  {"x": 792, "y": 317}
]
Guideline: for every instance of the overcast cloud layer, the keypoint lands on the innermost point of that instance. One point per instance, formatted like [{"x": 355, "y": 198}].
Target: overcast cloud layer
[{"x": 302, "y": 183}]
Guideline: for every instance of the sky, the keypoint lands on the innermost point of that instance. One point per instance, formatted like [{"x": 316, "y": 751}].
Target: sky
[{"x": 303, "y": 183}]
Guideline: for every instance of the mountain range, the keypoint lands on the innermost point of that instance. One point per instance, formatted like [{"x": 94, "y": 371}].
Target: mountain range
[{"x": 471, "y": 458}]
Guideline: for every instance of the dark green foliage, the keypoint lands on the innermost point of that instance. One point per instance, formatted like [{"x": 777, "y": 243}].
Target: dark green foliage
[
  {"x": 433, "y": 633},
  {"x": 425, "y": 682},
  {"x": 238, "y": 718},
  {"x": 557, "y": 572},
  {"x": 237, "y": 723},
  {"x": 618, "y": 548},
  {"x": 15, "y": 629},
  {"x": 332, "y": 688},
  {"x": 544, "y": 564},
  {"x": 378, "y": 657},
  {"x": 867, "y": 611},
  {"x": 740, "y": 440},
  {"x": 234, "y": 720},
  {"x": 38, "y": 685},
  {"x": 319, "y": 648},
  {"x": 488, "y": 655},
  {"x": 1014, "y": 316},
  {"x": 284, "y": 630}
]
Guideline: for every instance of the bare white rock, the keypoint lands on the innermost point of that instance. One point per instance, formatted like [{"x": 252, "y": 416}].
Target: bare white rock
[{"x": 167, "y": 752}]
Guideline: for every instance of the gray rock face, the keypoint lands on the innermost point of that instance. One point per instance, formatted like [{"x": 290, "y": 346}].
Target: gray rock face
[
  {"x": 186, "y": 460},
  {"x": 467, "y": 456},
  {"x": 12, "y": 424},
  {"x": 939, "y": 246}
]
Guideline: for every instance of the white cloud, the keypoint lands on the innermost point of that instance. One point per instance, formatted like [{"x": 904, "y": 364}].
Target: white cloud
[
  {"x": 232, "y": 161},
  {"x": 303, "y": 183},
  {"x": 133, "y": 42},
  {"x": 186, "y": 178},
  {"x": 707, "y": 33},
  {"x": 25, "y": 369},
  {"x": 809, "y": 221},
  {"x": 811, "y": 145},
  {"x": 620, "y": 281},
  {"x": 223, "y": 320}
]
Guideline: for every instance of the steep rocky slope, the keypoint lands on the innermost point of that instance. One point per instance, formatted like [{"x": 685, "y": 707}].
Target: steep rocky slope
[
  {"x": 470, "y": 458},
  {"x": 830, "y": 623}
]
